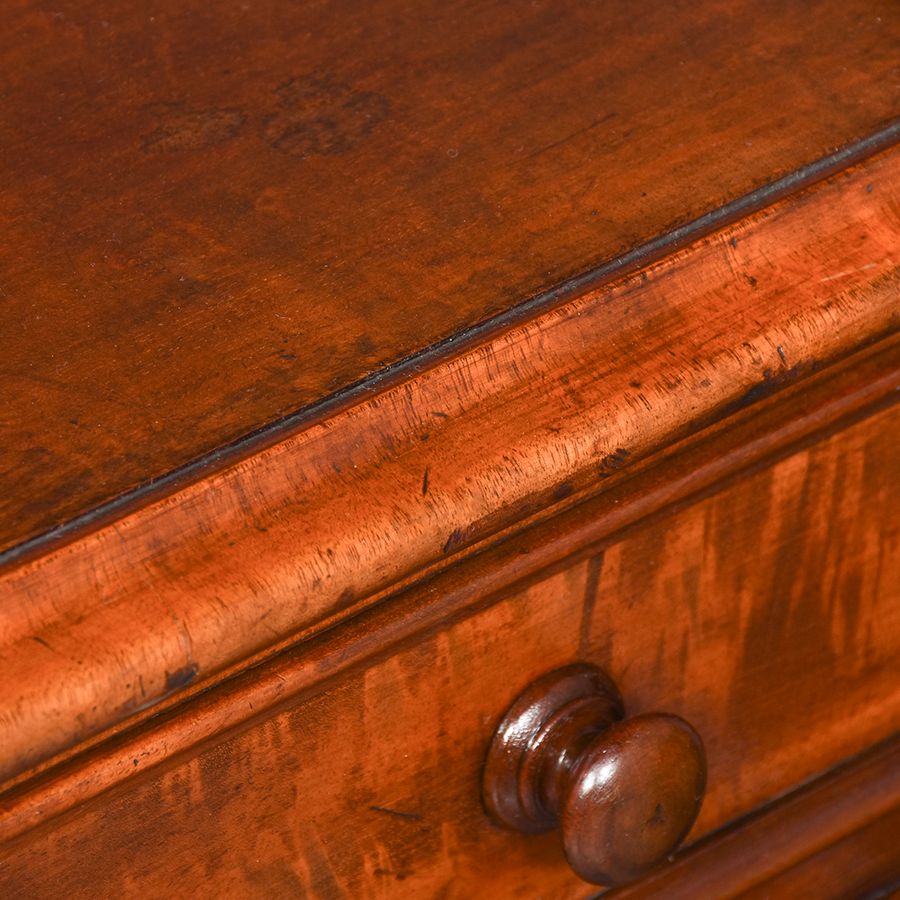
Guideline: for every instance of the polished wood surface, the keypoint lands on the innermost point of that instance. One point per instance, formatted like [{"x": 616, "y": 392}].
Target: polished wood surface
[
  {"x": 449, "y": 449},
  {"x": 369, "y": 784},
  {"x": 217, "y": 214},
  {"x": 325, "y": 522},
  {"x": 866, "y": 863},
  {"x": 622, "y": 792},
  {"x": 771, "y": 427},
  {"x": 836, "y": 837}
]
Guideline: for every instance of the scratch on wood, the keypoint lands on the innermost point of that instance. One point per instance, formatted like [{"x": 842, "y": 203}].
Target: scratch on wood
[
  {"x": 592, "y": 584},
  {"x": 847, "y": 272},
  {"x": 415, "y": 817},
  {"x": 425, "y": 482},
  {"x": 574, "y": 134}
]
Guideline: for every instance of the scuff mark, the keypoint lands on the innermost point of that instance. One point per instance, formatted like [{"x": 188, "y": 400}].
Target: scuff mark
[
  {"x": 455, "y": 538},
  {"x": 181, "y": 677},
  {"x": 612, "y": 461}
]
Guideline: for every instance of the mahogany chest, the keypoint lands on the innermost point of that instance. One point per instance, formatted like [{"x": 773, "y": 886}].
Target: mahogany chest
[{"x": 449, "y": 449}]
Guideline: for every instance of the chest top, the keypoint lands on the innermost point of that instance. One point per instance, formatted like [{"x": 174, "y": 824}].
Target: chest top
[{"x": 222, "y": 216}]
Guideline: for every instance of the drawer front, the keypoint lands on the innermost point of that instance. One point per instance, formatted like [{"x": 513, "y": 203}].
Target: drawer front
[{"x": 766, "y": 614}]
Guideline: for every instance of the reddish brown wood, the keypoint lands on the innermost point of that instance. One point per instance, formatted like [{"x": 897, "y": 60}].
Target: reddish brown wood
[
  {"x": 834, "y": 838},
  {"x": 865, "y": 864},
  {"x": 623, "y": 793},
  {"x": 357, "y": 376},
  {"x": 371, "y": 781},
  {"x": 219, "y": 213},
  {"x": 823, "y": 403},
  {"x": 190, "y": 586}
]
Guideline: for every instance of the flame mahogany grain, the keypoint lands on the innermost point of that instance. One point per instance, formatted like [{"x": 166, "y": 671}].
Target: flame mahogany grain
[
  {"x": 770, "y": 429},
  {"x": 364, "y": 361},
  {"x": 370, "y": 781},
  {"x": 312, "y": 529}
]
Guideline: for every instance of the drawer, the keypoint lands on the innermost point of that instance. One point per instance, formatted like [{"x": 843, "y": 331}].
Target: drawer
[{"x": 765, "y": 612}]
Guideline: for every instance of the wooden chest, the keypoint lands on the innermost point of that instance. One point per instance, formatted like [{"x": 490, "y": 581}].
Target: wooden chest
[{"x": 450, "y": 450}]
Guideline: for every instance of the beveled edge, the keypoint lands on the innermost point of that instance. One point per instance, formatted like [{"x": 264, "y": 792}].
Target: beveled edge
[
  {"x": 232, "y": 570},
  {"x": 858, "y": 388}
]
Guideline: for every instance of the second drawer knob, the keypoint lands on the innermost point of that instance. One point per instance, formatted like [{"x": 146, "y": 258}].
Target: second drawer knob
[{"x": 623, "y": 792}]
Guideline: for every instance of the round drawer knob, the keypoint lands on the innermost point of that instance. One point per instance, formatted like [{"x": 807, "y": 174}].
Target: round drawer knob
[{"x": 623, "y": 792}]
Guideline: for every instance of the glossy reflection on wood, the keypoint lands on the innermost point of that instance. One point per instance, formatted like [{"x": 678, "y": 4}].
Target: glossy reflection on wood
[
  {"x": 330, "y": 791},
  {"x": 623, "y": 793},
  {"x": 322, "y": 523},
  {"x": 823, "y": 402},
  {"x": 834, "y": 838}
]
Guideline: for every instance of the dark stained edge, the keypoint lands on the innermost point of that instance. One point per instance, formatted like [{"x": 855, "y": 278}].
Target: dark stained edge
[{"x": 279, "y": 429}]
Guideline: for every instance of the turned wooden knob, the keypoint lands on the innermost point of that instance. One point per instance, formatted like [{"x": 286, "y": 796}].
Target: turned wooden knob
[{"x": 623, "y": 792}]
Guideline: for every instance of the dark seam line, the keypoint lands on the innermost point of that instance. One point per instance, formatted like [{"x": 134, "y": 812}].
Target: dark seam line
[{"x": 278, "y": 429}]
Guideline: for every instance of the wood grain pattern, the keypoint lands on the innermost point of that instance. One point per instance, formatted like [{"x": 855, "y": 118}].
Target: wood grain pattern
[
  {"x": 769, "y": 429},
  {"x": 348, "y": 798},
  {"x": 220, "y": 213},
  {"x": 314, "y": 527}
]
